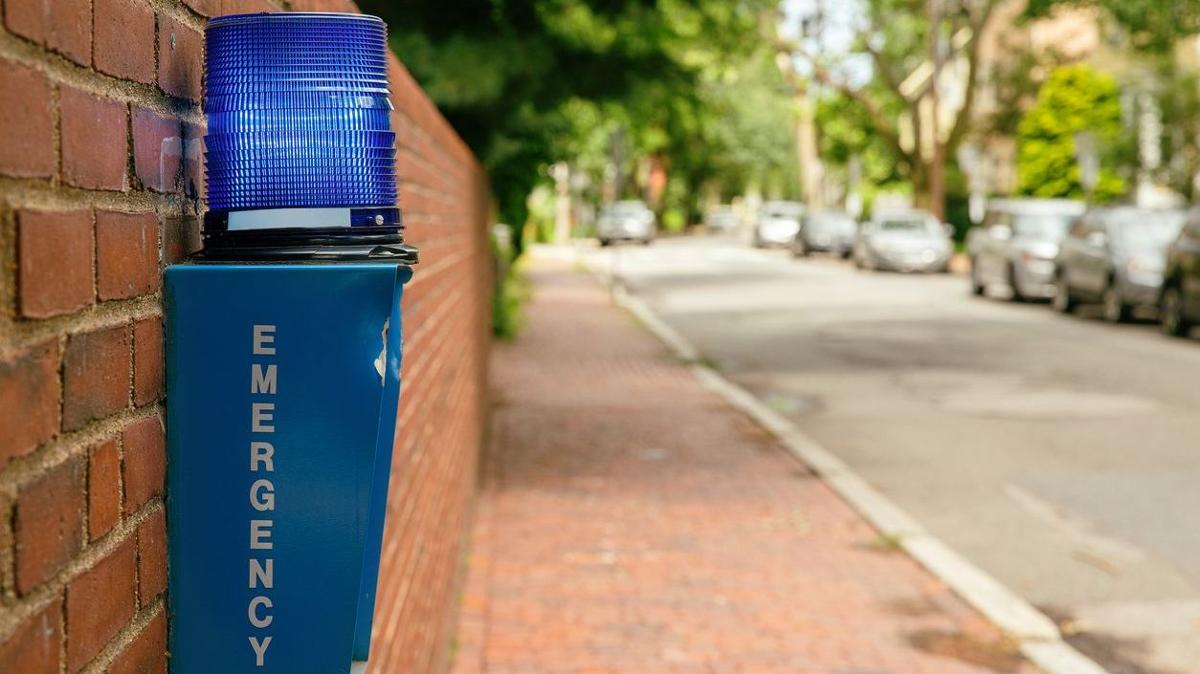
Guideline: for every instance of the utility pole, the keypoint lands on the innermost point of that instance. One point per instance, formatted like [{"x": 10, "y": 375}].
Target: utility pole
[{"x": 937, "y": 161}]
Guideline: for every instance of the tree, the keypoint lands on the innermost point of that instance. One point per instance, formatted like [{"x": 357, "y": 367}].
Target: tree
[
  {"x": 904, "y": 44},
  {"x": 1152, "y": 25},
  {"x": 509, "y": 74},
  {"x": 1074, "y": 99}
]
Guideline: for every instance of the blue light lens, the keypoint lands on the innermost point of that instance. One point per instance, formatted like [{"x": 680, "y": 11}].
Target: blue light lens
[{"x": 299, "y": 113}]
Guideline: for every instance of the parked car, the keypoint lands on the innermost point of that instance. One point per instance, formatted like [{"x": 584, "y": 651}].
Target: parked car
[
  {"x": 626, "y": 221},
  {"x": 1179, "y": 302},
  {"x": 1017, "y": 243},
  {"x": 908, "y": 241},
  {"x": 1116, "y": 257},
  {"x": 826, "y": 232},
  {"x": 722, "y": 219},
  {"x": 777, "y": 223}
]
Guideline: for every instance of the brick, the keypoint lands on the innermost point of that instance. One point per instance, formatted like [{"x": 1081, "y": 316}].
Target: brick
[
  {"x": 125, "y": 39},
  {"x": 100, "y": 601},
  {"x": 96, "y": 371},
  {"x": 148, "y": 652},
  {"x": 152, "y": 557},
  {"x": 180, "y": 57},
  {"x": 28, "y": 19},
  {"x": 55, "y": 262},
  {"x": 34, "y": 647},
  {"x": 126, "y": 254},
  {"x": 26, "y": 122},
  {"x": 29, "y": 391},
  {"x": 145, "y": 462},
  {"x": 157, "y": 150},
  {"x": 49, "y": 523},
  {"x": 94, "y": 140},
  {"x": 147, "y": 360},
  {"x": 204, "y": 7},
  {"x": 104, "y": 488},
  {"x": 223, "y": 7},
  {"x": 69, "y": 29},
  {"x": 181, "y": 237}
]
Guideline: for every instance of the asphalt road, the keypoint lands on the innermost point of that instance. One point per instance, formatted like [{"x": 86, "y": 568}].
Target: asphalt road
[{"x": 1060, "y": 454}]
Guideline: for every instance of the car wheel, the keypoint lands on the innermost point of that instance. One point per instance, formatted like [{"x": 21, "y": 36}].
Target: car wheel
[
  {"x": 1115, "y": 309},
  {"x": 1064, "y": 303},
  {"x": 977, "y": 285},
  {"x": 800, "y": 249},
  {"x": 1174, "y": 324},
  {"x": 604, "y": 243},
  {"x": 1014, "y": 285}
]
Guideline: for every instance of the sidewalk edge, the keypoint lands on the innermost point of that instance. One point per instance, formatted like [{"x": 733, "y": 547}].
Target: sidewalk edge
[{"x": 1039, "y": 638}]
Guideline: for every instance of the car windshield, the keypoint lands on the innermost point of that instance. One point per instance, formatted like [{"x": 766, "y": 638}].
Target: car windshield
[
  {"x": 626, "y": 208},
  {"x": 1148, "y": 229},
  {"x": 912, "y": 224},
  {"x": 832, "y": 222},
  {"x": 1052, "y": 226},
  {"x": 784, "y": 210}
]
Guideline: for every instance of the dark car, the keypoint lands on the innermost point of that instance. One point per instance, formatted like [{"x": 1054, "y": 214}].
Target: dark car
[
  {"x": 1115, "y": 257},
  {"x": 826, "y": 232},
  {"x": 1179, "y": 304}
]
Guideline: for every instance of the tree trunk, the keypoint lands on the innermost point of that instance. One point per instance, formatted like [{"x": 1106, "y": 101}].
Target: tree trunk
[{"x": 937, "y": 160}]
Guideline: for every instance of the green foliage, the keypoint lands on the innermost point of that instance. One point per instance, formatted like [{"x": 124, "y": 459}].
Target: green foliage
[
  {"x": 1152, "y": 25},
  {"x": 509, "y": 295},
  {"x": 1179, "y": 99},
  {"x": 529, "y": 82},
  {"x": 1074, "y": 99}
]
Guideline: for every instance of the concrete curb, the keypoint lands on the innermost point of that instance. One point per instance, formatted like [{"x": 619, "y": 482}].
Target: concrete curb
[{"x": 1038, "y": 637}]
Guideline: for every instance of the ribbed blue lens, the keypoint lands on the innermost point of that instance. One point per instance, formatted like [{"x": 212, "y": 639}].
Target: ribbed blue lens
[{"x": 299, "y": 113}]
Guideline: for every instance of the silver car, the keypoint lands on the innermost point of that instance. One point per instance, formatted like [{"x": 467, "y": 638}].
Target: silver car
[
  {"x": 626, "y": 221},
  {"x": 826, "y": 232},
  {"x": 777, "y": 223},
  {"x": 907, "y": 241},
  {"x": 1116, "y": 257},
  {"x": 722, "y": 219},
  {"x": 1017, "y": 244}
]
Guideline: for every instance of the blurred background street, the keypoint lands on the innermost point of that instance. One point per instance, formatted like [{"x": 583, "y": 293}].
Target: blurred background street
[
  {"x": 1059, "y": 455},
  {"x": 753, "y": 170}
]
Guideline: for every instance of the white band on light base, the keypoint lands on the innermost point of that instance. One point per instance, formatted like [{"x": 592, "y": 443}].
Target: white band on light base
[{"x": 277, "y": 218}]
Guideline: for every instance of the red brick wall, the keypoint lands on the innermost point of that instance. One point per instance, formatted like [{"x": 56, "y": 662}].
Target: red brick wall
[{"x": 100, "y": 187}]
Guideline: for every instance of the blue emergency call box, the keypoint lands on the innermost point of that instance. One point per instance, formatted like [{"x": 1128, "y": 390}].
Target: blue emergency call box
[{"x": 283, "y": 381}]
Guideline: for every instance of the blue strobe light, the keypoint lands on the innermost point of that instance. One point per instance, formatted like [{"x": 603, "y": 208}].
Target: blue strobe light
[{"x": 300, "y": 146}]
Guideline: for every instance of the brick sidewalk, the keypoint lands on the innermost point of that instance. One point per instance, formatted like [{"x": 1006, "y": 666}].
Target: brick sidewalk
[{"x": 632, "y": 522}]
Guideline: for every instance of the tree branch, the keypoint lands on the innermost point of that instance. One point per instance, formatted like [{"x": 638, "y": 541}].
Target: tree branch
[
  {"x": 883, "y": 125},
  {"x": 886, "y": 73},
  {"x": 962, "y": 121}
]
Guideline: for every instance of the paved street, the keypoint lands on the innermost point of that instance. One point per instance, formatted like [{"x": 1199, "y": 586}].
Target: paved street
[
  {"x": 631, "y": 521},
  {"x": 1062, "y": 455}
]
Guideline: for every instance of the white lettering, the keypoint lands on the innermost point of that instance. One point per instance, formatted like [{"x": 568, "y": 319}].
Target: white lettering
[
  {"x": 252, "y": 613},
  {"x": 262, "y": 381},
  {"x": 262, "y": 417},
  {"x": 261, "y": 574},
  {"x": 262, "y": 453},
  {"x": 260, "y": 534},
  {"x": 262, "y": 495},
  {"x": 264, "y": 340},
  {"x": 260, "y": 649}
]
